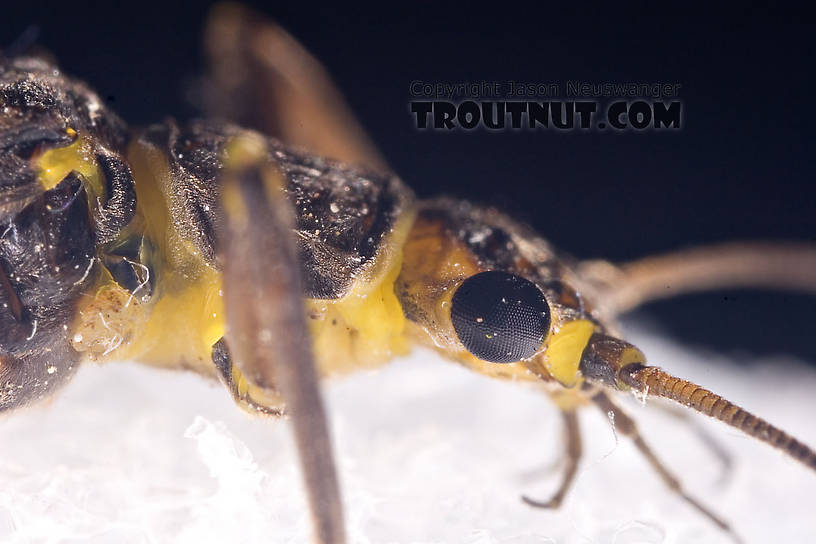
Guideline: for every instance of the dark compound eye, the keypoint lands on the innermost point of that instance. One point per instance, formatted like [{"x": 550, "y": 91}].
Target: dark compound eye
[{"x": 500, "y": 317}]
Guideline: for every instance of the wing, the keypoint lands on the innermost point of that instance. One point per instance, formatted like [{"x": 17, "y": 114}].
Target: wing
[
  {"x": 266, "y": 328},
  {"x": 283, "y": 226},
  {"x": 262, "y": 78}
]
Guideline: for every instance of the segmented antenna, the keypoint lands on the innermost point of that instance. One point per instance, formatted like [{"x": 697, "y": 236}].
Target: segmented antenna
[{"x": 655, "y": 381}]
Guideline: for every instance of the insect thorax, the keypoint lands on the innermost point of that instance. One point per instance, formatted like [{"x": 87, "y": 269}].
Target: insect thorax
[
  {"x": 350, "y": 227},
  {"x": 55, "y": 212}
]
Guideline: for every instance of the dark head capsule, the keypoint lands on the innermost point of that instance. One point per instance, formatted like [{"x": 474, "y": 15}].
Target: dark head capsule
[{"x": 500, "y": 317}]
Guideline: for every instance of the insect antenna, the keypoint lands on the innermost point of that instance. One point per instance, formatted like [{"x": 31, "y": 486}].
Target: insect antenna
[
  {"x": 650, "y": 380},
  {"x": 23, "y": 43}
]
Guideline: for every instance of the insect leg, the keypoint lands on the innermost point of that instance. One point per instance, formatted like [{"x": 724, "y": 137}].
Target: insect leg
[
  {"x": 708, "y": 440},
  {"x": 654, "y": 381},
  {"x": 624, "y": 287},
  {"x": 614, "y": 363},
  {"x": 266, "y": 329},
  {"x": 574, "y": 450},
  {"x": 262, "y": 78},
  {"x": 245, "y": 394},
  {"x": 626, "y": 426}
]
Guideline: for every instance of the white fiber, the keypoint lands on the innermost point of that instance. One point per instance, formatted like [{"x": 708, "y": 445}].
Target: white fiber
[{"x": 428, "y": 453}]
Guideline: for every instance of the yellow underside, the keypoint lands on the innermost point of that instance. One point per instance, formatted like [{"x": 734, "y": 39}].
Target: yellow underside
[
  {"x": 366, "y": 327},
  {"x": 178, "y": 326}
]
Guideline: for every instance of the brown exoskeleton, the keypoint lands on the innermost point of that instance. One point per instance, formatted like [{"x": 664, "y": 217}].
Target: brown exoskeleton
[{"x": 175, "y": 246}]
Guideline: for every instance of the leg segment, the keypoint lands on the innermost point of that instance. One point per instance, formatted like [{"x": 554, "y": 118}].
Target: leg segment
[
  {"x": 266, "y": 329},
  {"x": 247, "y": 395},
  {"x": 626, "y": 426},
  {"x": 574, "y": 450},
  {"x": 706, "y": 438}
]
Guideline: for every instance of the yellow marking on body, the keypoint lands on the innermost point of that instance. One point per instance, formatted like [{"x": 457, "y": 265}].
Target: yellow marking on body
[
  {"x": 628, "y": 356},
  {"x": 185, "y": 317},
  {"x": 178, "y": 330},
  {"x": 53, "y": 165},
  {"x": 188, "y": 315},
  {"x": 183, "y": 326},
  {"x": 366, "y": 327},
  {"x": 564, "y": 350},
  {"x": 559, "y": 360}
]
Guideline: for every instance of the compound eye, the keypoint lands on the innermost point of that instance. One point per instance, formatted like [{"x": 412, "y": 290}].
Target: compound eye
[{"x": 500, "y": 317}]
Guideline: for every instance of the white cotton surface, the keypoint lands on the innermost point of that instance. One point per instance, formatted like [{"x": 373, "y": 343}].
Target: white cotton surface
[{"x": 427, "y": 452}]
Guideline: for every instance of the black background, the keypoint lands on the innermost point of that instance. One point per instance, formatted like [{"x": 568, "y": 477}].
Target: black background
[{"x": 739, "y": 168}]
